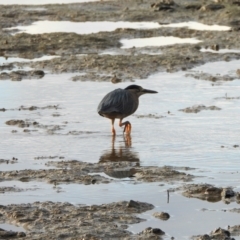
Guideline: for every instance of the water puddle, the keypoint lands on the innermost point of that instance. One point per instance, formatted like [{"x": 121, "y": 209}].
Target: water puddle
[
  {"x": 39, "y": 9},
  {"x": 220, "y": 50},
  {"x": 41, "y": 27},
  {"x": 7, "y": 60},
  {"x": 10, "y": 227},
  {"x": 126, "y": 51},
  {"x": 198, "y": 26},
  {"x": 193, "y": 210},
  {"x": 42, "y": 2},
  {"x": 156, "y": 41}
]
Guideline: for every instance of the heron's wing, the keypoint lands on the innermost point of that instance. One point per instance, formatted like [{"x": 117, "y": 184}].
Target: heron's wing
[{"x": 118, "y": 101}]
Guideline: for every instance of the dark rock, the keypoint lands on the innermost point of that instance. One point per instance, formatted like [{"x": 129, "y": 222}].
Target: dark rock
[
  {"x": 157, "y": 231},
  {"x": 133, "y": 204},
  {"x": 227, "y": 193},
  {"x": 162, "y": 215},
  {"x": 212, "y": 7},
  {"x": 193, "y": 6}
]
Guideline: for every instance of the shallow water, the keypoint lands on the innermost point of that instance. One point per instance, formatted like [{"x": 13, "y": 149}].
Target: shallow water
[
  {"x": 156, "y": 41},
  {"x": 177, "y": 139},
  {"x": 40, "y": 27},
  {"x": 198, "y": 26},
  {"x": 220, "y": 50},
  {"x": 197, "y": 211},
  {"x": 10, "y": 227},
  {"x": 6, "y": 60}
]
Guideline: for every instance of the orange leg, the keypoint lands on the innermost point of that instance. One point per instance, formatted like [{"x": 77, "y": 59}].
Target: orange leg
[
  {"x": 127, "y": 126},
  {"x": 113, "y": 130}
]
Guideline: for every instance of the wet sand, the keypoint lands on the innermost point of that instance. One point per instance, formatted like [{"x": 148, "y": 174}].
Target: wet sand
[{"x": 63, "y": 176}]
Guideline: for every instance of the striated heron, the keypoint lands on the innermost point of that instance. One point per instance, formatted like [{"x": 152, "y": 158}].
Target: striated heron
[{"x": 121, "y": 103}]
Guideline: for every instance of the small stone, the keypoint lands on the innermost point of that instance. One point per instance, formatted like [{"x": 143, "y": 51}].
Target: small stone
[
  {"x": 238, "y": 72},
  {"x": 215, "y": 47},
  {"x": 162, "y": 215},
  {"x": 94, "y": 181}
]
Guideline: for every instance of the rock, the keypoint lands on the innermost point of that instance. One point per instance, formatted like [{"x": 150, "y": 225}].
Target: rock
[
  {"x": 234, "y": 230},
  {"x": 21, "y": 234},
  {"x": 157, "y": 231},
  {"x": 220, "y": 233},
  {"x": 4, "y": 234},
  {"x": 39, "y": 73},
  {"x": 162, "y": 215},
  {"x": 133, "y": 204},
  {"x": 227, "y": 193},
  {"x": 203, "y": 191},
  {"x": 151, "y": 231},
  {"x": 163, "y": 5},
  {"x": 94, "y": 181}
]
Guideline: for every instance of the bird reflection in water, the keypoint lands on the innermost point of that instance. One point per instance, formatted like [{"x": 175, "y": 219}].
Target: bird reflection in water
[{"x": 120, "y": 154}]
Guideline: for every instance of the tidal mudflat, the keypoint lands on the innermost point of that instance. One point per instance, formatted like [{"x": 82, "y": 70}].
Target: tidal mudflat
[{"x": 62, "y": 174}]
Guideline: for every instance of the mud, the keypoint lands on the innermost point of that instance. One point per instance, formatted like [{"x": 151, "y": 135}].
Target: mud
[
  {"x": 78, "y": 172},
  {"x": 210, "y": 193},
  {"x": 148, "y": 116},
  {"x": 212, "y": 78},
  {"x": 29, "y": 125},
  {"x": 25, "y": 108},
  {"x": 7, "y": 161},
  {"x": 4, "y": 234},
  {"x": 66, "y": 221},
  {"x": 20, "y": 75},
  {"x": 135, "y": 64},
  {"x": 198, "y": 108},
  {"x": 218, "y": 234},
  {"x": 15, "y": 189}
]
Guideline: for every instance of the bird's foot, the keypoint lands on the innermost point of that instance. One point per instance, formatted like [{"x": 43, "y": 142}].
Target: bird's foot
[{"x": 127, "y": 128}]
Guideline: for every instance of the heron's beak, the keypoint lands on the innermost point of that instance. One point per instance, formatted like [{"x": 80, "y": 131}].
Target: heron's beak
[{"x": 148, "y": 91}]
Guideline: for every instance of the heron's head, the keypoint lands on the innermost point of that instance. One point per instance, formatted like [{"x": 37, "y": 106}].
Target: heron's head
[{"x": 138, "y": 90}]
